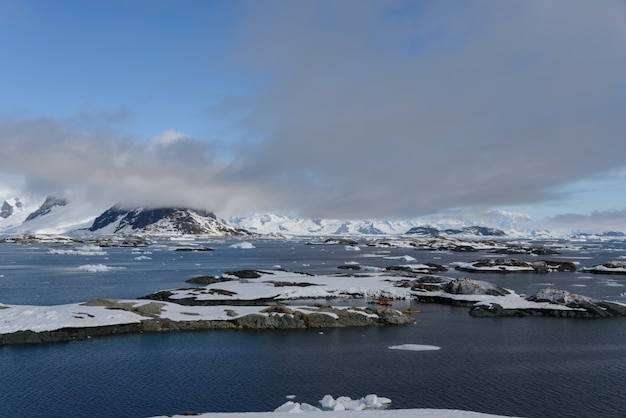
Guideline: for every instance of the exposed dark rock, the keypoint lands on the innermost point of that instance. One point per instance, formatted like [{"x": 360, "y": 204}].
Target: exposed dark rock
[
  {"x": 580, "y": 306},
  {"x": 545, "y": 266},
  {"x": 349, "y": 267},
  {"x": 276, "y": 317},
  {"x": 463, "y": 248},
  {"x": 175, "y": 220},
  {"x": 618, "y": 234},
  {"x": 193, "y": 249},
  {"x": 67, "y": 334},
  {"x": 429, "y": 268},
  {"x": 511, "y": 265},
  {"x": 166, "y": 296},
  {"x": 248, "y": 274},
  {"x": 207, "y": 280},
  {"x": 611, "y": 267},
  {"x": 46, "y": 207},
  {"x": 335, "y": 241},
  {"x": 477, "y": 230},
  {"x": 466, "y": 286},
  {"x": 6, "y": 210},
  {"x": 293, "y": 284},
  {"x": 422, "y": 230},
  {"x": 516, "y": 249}
]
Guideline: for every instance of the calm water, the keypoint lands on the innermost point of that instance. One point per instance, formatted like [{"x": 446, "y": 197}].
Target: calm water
[{"x": 534, "y": 367}]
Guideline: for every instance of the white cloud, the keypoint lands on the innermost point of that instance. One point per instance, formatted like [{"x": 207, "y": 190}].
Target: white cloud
[{"x": 168, "y": 137}]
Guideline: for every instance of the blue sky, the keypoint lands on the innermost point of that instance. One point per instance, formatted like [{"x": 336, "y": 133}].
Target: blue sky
[{"x": 347, "y": 109}]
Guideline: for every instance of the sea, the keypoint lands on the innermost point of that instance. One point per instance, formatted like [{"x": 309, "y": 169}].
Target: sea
[{"x": 524, "y": 367}]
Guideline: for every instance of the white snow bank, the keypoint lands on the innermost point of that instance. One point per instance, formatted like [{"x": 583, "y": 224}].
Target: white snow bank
[
  {"x": 395, "y": 413},
  {"x": 345, "y": 403},
  {"x": 343, "y": 406},
  {"x": 242, "y": 246},
  {"x": 415, "y": 347}
]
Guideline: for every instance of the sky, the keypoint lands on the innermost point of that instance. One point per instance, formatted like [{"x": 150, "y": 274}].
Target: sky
[{"x": 350, "y": 109}]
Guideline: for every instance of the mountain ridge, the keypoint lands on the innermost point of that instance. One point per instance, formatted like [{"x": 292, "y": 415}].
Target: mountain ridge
[{"x": 58, "y": 216}]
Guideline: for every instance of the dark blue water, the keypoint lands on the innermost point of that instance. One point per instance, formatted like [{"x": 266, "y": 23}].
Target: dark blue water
[{"x": 532, "y": 367}]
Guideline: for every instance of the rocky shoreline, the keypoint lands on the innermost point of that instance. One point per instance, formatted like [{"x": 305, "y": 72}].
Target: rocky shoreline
[{"x": 151, "y": 319}]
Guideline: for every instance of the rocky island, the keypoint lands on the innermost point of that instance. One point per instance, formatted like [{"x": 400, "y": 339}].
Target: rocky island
[{"x": 258, "y": 299}]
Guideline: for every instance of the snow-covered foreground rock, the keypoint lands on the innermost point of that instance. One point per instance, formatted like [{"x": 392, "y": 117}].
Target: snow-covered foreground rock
[
  {"x": 20, "y": 324},
  {"x": 396, "y": 413},
  {"x": 343, "y": 406}
]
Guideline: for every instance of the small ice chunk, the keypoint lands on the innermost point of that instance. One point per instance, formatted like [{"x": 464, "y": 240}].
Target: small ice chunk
[
  {"x": 243, "y": 245},
  {"x": 94, "y": 268},
  {"x": 400, "y": 258},
  {"x": 415, "y": 347},
  {"x": 327, "y": 402}
]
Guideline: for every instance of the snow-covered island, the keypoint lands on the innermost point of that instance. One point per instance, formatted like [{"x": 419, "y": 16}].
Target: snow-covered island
[{"x": 254, "y": 299}]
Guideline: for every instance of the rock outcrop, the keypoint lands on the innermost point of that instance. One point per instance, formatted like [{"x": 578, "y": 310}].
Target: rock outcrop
[
  {"x": 610, "y": 267},
  {"x": 552, "y": 299},
  {"x": 272, "y": 317},
  {"x": 511, "y": 265}
]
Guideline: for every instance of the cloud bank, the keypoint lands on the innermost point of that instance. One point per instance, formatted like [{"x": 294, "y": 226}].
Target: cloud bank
[{"x": 375, "y": 109}]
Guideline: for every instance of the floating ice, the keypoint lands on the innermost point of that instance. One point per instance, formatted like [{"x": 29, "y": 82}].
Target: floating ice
[
  {"x": 243, "y": 245},
  {"x": 142, "y": 257},
  {"x": 94, "y": 268},
  {"x": 371, "y": 269},
  {"x": 352, "y": 248},
  {"x": 415, "y": 347},
  {"x": 342, "y": 403},
  {"x": 89, "y": 250},
  {"x": 401, "y": 258}
]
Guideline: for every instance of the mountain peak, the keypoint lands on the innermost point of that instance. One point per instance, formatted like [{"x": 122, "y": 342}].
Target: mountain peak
[
  {"x": 158, "y": 221},
  {"x": 46, "y": 207}
]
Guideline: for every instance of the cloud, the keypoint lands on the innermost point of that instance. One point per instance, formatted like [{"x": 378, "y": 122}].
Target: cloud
[
  {"x": 107, "y": 168},
  {"x": 373, "y": 112},
  {"x": 168, "y": 137},
  {"x": 610, "y": 220},
  {"x": 371, "y": 109}
]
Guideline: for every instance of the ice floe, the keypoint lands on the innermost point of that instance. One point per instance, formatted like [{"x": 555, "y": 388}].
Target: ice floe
[
  {"x": 86, "y": 250},
  {"x": 242, "y": 245},
  {"x": 97, "y": 268},
  {"x": 415, "y": 347}
]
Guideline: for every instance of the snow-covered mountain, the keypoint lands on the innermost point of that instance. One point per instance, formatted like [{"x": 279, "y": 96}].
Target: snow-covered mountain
[
  {"x": 59, "y": 216},
  {"x": 52, "y": 215},
  {"x": 493, "y": 223},
  {"x": 161, "y": 221}
]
